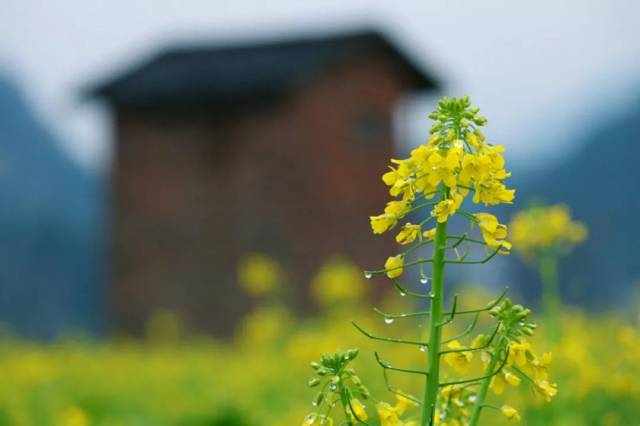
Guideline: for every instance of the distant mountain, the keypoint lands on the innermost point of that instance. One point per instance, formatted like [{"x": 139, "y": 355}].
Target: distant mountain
[
  {"x": 601, "y": 183},
  {"x": 51, "y": 229}
]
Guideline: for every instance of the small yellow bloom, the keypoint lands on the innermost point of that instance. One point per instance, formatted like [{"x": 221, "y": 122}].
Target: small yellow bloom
[
  {"x": 394, "y": 265},
  {"x": 430, "y": 234},
  {"x": 74, "y": 416},
  {"x": 408, "y": 234},
  {"x": 479, "y": 341},
  {"x": 338, "y": 281},
  {"x": 388, "y": 415},
  {"x": 259, "y": 274},
  {"x": 403, "y": 404},
  {"x": 459, "y": 361},
  {"x": 497, "y": 384},
  {"x": 518, "y": 354},
  {"x": 315, "y": 419},
  {"x": 493, "y": 232},
  {"x": 447, "y": 207},
  {"x": 510, "y": 413},
  {"x": 546, "y": 389},
  {"x": 358, "y": 410},
  {"x": 511, "y": 378},
  {"x": 382, "y": 223}
]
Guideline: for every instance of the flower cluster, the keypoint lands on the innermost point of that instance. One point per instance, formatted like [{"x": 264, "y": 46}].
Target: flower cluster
[
  {"x": 541, "y": 228},
  {"x": 521, "y": 362},
  {"x": 259, "y": 274},
  {"x": 508, "y": 359},
  {"x": 337, "y": 282},
  {"x": 455, "y": 161}
]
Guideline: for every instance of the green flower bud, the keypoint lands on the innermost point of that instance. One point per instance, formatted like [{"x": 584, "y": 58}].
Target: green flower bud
[
  {"x": 314, "y": 381},
  {"x": 352, "y": 353},
  {"x": 480, "y": 121}
]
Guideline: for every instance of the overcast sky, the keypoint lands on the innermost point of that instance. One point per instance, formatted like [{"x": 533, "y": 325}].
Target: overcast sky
[{"x": 536, "y": 68}]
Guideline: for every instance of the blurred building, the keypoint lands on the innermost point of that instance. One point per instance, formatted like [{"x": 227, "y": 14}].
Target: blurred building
[{"x": 275, "y": 147}]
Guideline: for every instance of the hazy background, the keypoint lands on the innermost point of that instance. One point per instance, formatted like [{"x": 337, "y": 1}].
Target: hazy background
[
  {"x": 541, "y": 70},
  {"x": 559, "y": 81}
]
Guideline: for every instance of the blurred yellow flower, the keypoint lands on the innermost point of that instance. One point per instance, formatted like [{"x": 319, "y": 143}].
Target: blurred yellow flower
[
  {"x": 540, "y": 228},
  {"x": 259, "y": 274},
  {"x": 358, "y": 410},
  {"x": 388, "y": 414},
  {"x": 337, "y": 281},
  {"x": 74, "y": 416},
  {"x": 510, "y": 413},
  {"x": 263, "y": 326}
]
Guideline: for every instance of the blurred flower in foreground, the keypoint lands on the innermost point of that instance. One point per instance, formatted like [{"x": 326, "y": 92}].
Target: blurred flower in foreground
[
  {"x": 259, "y": 274},
  {"x": 337, "y": 281},
  {"x": 74, "y": 416},
  {"x": 542, "y": 228}
]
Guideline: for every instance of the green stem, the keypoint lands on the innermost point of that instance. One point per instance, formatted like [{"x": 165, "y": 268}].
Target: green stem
[
  {"x": 435, "y": 329},
  {"x": 551, "y": 302},
  {"x": 484, "y": 387}
]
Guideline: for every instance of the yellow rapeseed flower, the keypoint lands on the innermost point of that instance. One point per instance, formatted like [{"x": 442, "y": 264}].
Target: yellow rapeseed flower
[
  {"x": 259, "y": 274},
  {"x": 493, "y": 232},
  {"x": 337, "y": 281},
  {"x": 388, "y": 414},
  {"x": 541, "y": 228},
  {"x": 459, "y": 361},
  {"x": 510, "y": 413},
  {"x": 403, "y": 404},
  {"x": 408, "y": 234},
  {"x": 394, "y": 264},
  {"x": 358, "y": 410}
]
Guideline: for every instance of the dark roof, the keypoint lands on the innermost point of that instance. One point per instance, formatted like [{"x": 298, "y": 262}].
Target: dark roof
[{"x": 221, "y": 74}]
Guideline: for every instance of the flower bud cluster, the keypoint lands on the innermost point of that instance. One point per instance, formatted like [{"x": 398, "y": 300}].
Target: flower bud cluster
[{"x": 337, "y": 383}]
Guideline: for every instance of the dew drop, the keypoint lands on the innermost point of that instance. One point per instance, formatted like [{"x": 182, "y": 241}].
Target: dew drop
[
  {"x": 424, "y": 279},
  {"x": 333, "y": 387},
  {"x": 422, "y": 348},
  {"x": 315, "y": 404},
  {"x": 388, "y": 320},
  {"x": 473, "y": 398},
  {"x": 402, "y": 293},
  {"x": 368, "y": 274}
]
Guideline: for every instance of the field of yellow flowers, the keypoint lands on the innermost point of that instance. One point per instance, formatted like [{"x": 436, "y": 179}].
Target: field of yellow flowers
[
  {"x": 442, "y": 359},
  {"x": 259, "y": 377}
]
